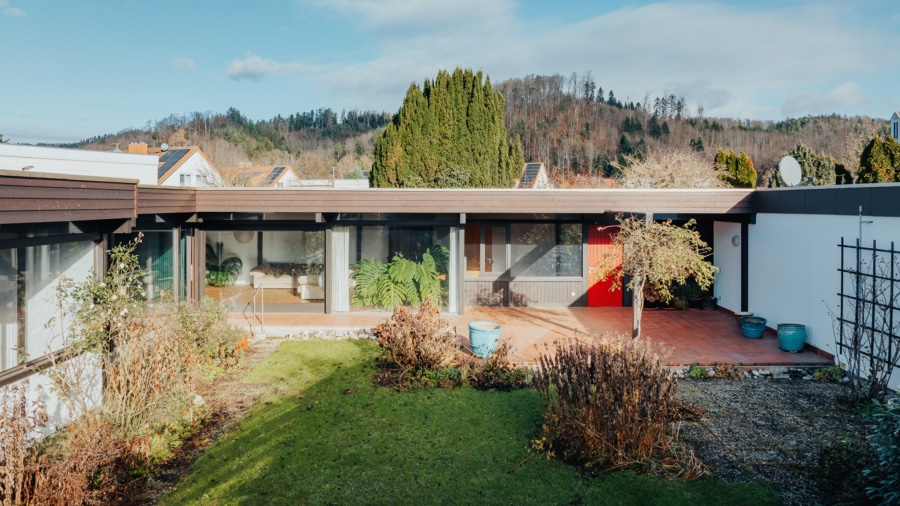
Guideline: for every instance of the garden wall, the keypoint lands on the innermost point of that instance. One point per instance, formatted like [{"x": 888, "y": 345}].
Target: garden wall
[{"x": 793, "y": 264}]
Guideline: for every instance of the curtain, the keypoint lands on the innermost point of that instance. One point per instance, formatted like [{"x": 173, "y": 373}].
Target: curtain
[{"x": 340, "y": 260}]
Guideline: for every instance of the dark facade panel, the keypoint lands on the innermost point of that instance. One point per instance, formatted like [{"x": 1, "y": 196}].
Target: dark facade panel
[
  {"x": 842, "y": 200},
  {"x": 44, "y": 198},
  {"x": 162, "y": 200}
]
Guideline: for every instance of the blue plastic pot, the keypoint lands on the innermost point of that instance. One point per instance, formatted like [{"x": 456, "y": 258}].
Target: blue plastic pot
[
  {"x": 753, "y": 327},
  {"x": 791, "y": 336},
  {"x": 484, "y": 338}
]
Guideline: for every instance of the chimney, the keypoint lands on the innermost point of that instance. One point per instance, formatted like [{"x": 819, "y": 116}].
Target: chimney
[{"x": 139, "y": 148}]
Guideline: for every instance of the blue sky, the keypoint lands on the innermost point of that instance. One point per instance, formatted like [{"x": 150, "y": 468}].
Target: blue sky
[{"x": 71, "y": 70}]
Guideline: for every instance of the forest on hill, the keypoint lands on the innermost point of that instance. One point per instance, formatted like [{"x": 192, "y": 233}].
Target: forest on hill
[
  {"x": 572, "y": 124},
  {"x": 312, "y": 142},
  {"x": 577, "y": 128}
]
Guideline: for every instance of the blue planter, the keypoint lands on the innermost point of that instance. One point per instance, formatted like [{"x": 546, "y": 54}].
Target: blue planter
[
  {"x": 791, "y": 336},
  {"x": 484, "y": 337},
  {"x": 753, "y": 327}
]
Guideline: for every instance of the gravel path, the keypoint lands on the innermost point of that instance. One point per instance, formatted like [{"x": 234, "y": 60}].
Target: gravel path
[{"x": 775, "y": 430}]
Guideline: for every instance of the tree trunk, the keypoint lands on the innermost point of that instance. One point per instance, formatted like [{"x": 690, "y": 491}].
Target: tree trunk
[{"x": 637, "y": 305}]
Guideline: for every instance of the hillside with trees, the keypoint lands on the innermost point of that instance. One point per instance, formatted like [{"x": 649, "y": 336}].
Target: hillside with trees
[
  {"x": 572, "y": 124},
  {"x": 579, "y": 128},
  {"x": 312, "y": 142}
]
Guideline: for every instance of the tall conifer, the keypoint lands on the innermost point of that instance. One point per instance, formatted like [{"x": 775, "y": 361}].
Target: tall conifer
[{"x": 452, "y": 125}]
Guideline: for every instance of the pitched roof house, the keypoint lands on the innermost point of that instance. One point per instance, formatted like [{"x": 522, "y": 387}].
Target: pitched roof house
[
  {"x": 534, "y": 177},
  {"x": 181, "y": 166}
]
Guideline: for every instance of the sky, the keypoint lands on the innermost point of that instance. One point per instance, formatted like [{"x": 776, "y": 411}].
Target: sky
[{"x": 73, "y": 70}]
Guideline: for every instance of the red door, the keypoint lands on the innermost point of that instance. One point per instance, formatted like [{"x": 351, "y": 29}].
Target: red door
[{"x": 600, "y": 245}]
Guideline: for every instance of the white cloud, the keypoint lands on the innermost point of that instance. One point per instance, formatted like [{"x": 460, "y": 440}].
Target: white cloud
[
  {"x": 10, "y": 11},
  {"x": 733, "y": 60},
  {"x": 15, "y": 12},
  {"x": 255, "y": 68},
  {"x": 184, "y": 63},
  {"x": 838, "y": 100}
]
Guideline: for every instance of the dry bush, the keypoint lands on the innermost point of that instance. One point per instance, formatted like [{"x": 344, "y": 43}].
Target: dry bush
[
  {"x": 20, "y": 424},
  {"x": 418, "y": 341},
  {"x": 609, "y": 403},
  {"x": 77, "y": 464},
  {"x": 669, "y": 169},
  {"x": 496, "y": 372}
]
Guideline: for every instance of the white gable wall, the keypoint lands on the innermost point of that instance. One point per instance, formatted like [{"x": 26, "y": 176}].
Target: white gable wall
[
  {"x": 195, "y": 166},
  {"x": 80, "y": 162}
]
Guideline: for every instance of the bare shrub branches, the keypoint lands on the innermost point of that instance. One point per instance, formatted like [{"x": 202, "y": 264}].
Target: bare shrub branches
[
  {"x": 417, "y": 341},
  {"x": 658, "y": 256},
  {"x": 669, "y": 169},
  {"x": 609, "y": 403}
]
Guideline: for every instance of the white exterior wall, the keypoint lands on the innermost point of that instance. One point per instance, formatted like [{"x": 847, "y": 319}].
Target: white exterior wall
[
  {"x": 794, "y": 262},
  {"x": 194, "y": 166},
  {"x": 727, "y": 258},
  {"x": 39, "y": 387},
  {"x": 80, "y": 162}
]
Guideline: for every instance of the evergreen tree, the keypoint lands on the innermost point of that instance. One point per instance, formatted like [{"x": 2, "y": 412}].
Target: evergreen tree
[
  {"x": 653, "y": 128},
  {"x": 449, "y": 132},
  {"x": 697, "y": 144},
  {"x": 819, "y": 167},
  {"x": 738, "y": 171},
  {"x": 880, "y": 161}
]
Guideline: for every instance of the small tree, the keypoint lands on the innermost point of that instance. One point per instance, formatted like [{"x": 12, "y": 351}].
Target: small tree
[
  {"x": 657, "y": 256},
  {"x": 669, "y": 169}
]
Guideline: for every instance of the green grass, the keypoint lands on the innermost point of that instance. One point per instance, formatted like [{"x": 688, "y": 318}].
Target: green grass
[{"x": 312, "y": 440}]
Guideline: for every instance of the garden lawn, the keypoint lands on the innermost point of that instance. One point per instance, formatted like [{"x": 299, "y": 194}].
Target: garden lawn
[{"x": 325, "y": 435}]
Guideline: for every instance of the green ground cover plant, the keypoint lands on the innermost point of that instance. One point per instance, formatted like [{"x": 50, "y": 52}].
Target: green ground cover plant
[{"x": 325, "y": 434}]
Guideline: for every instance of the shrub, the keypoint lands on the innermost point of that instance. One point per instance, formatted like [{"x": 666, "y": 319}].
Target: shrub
[
  {"x": 886, "y": 440},
  {"x": 609, "y": 401},
  {"x": 840, "y": 470},
  {"x": 149, "y": 364},
  {"x": 20, "y": 422},
  {"x": 417, "y": 341},
  {"x": 698, "y": 372},
  {"x": 497, "y": 372}
]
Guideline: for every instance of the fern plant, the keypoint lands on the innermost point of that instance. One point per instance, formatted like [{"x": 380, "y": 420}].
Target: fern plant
[
  {"x": 401, "y": 281},
  {"x": 221, "y": 271}
]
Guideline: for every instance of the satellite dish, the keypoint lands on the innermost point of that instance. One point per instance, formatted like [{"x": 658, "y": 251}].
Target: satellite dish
[
  {"x": 165, "y": 147},
  {"x": 789, "y": 168}
]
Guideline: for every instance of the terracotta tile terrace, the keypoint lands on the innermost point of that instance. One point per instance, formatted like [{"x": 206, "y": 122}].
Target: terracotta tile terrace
[{"x": 705, "y": 337}]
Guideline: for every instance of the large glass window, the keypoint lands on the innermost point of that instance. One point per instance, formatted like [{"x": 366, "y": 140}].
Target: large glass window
[
  {"x": 29, "y": 278},
  {"x": 155, "y": 255},
  {"x": 288, "y": 265},
  {"x": 533, "y": 250},
  {"x": 394, "y": 265}
]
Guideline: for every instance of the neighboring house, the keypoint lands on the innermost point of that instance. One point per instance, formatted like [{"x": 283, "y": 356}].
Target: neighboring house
[
  {"x": 895, "y": 126},
  {"x": 283, "y": 176},
  {"x": 79, "y": 162},
  {"x": 534, "y": 177},
  {"x": 181, "y": 166}
]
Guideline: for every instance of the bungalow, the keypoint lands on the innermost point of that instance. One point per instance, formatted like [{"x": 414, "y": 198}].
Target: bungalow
[{"x": 779, "y": 250}]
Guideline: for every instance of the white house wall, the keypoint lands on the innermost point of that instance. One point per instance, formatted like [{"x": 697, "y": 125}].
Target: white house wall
[
  {"x": 80, "y": 162},
  {"x": 727, "y": 258},
  {"x": 194, "y": 166},
  {"x": 794, "y": 262}
]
